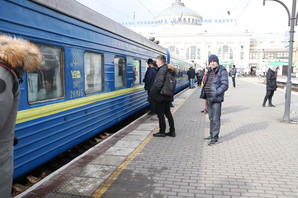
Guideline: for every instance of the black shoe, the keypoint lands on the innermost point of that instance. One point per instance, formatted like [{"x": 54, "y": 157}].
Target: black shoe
[
  {"x": 171, "y": 105},
  {"x": 212, "y": 142},
  {"x": 271, "y": 105},
  {"x": 208, "y": 138},
  {"x": 171, "y": 134},
  {"x": 159, "y": 134},
  {"x": 151, "y": 113},
  {"x": 263, "y": 105}
]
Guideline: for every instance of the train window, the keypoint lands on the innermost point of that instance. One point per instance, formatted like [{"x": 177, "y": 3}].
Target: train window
[
  {"x": 136, "y": 72},
  {"x": 46, "y": 82},
  {"x": 93, "y": 72},
  {"x": 120, "y": 72}
]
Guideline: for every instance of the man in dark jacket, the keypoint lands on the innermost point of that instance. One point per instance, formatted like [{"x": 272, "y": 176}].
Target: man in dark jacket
[
  {"x": 200, "y": 75},
  {"x": 191, "y": 77},
  {"x": 149, "y": 80},
  {"x": 271, "y": 85},
  {"x": 233, "y": 74},
  {"x": 215, "y": 85},
  {"x": 162, "y": 103}
]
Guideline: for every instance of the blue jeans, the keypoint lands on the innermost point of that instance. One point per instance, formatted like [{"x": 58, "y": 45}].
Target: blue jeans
[
  {"x": 192, "y": 82},
  {"x": 214, "y": 111}
]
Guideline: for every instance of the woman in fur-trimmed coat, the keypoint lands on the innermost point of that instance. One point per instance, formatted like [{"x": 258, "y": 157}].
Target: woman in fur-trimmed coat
[{"x": 16, "y": 57}]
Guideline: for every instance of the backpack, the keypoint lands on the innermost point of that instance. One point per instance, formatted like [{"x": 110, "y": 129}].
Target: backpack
[
  {"x": 17, "y": 79},
  {"x": 169, "y": 84}
]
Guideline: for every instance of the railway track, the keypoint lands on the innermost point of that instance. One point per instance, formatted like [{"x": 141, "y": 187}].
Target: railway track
[{"x": 33, "y": 177}]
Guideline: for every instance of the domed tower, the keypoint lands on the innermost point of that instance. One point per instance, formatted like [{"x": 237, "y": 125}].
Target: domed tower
[{"x": 179, "y": 14}]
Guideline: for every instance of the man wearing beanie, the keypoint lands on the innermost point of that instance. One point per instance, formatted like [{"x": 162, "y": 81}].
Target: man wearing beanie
[{"x": 215, "y": 85}]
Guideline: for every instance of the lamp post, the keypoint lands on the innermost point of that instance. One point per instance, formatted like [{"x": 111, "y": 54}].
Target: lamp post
[{"x": 291, "y": 23}]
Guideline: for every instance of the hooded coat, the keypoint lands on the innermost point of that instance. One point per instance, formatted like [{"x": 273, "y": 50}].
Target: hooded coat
[
  {"x": 154, "y": 94},
  {"x": 271, "y": 79},
  {"x": 16, "y": 57}
]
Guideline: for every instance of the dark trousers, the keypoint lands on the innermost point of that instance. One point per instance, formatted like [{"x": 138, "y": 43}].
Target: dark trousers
[
  {"x": 234, "y": 81},
  {"x": 152, "y": 104},
  {"x": 269, "y": 95},
  {"x": 163, "y": 109},
  {"x": 214, "y": 111}
]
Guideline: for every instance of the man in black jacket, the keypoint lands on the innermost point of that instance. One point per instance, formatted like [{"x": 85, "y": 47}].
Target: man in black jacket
[
  {"x": 191, "y": 77},
  {"x": 271, "y": 85},
  {"x": 149, "y": 80},
  {"x": 215, "y": 85},
  {"x": 162, "y": 102}
]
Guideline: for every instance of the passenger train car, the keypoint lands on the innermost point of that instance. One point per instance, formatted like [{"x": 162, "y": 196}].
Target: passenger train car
[{"x": 90, "y": 77}]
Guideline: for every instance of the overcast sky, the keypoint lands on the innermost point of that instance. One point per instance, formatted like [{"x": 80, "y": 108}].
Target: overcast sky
[{"x": 249, "y": 15}]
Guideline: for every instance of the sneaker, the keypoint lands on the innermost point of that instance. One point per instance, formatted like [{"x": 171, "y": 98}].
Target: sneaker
[
  {"x": 212, "y": 142},
  {"x": 208, "y": 138},
  {"x": 171, "y": 134},
  {"x": 159, "y": 134}
]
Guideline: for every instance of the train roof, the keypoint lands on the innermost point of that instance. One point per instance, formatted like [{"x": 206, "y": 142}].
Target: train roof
[{"x": 79, "y": 11}]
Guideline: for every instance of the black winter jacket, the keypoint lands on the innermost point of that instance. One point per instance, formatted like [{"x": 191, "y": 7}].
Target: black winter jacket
[
  {"x": 154, "y": 95},
  {"x": 271, "y": 84},
  {"x": 220, "y": 83},
  {"x": 191, "y": 73}
]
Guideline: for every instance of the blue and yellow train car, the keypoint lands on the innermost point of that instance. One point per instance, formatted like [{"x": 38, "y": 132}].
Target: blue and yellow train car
[{"x": 90, "y": 77}]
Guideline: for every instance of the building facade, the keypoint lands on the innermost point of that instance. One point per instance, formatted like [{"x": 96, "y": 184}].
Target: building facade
[{"x": 183, "y": 31}]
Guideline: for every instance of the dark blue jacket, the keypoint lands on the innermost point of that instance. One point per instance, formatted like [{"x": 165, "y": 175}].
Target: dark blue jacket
[
  {"x": 191, "y": 73},
  {"x": 220, "y": 84},
  {"x": 150, "y": 77}
]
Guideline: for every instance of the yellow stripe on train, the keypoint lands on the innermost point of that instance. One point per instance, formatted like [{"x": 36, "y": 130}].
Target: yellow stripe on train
[{"x": 38, "y": 112}]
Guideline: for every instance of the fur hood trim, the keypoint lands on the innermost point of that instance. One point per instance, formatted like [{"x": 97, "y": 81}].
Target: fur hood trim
[
  {"x": 19, "y": 53},
  {"x": 173, "y": 68}
]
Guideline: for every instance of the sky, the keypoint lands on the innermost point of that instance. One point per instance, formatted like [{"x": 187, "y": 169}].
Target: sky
[{"x": 248, "y": 15}]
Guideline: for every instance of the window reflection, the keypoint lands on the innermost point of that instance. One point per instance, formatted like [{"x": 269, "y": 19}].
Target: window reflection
[
  {"x": 93, "y": 72},
  {"x": 46, "y": 82},
  {"x": 120, "y": 72}
]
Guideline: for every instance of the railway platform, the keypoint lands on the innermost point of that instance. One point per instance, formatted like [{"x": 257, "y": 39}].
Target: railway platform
[{"x": 256, "y": 155}]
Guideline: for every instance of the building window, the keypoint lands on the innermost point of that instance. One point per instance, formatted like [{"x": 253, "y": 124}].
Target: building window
[
  {"x": 136, "y": 64},
  {"x": 193, "y": 52},
  {"x": 46, "y": 83},
  {"x": 225, "y": 52},
  {"x": 120, "y": 72},
  {"x": 93, "y": 72},
  {"x": 173, "y": 49}
]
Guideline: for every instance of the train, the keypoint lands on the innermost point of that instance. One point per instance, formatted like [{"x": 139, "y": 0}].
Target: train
[{"x": 90, "y": 77}]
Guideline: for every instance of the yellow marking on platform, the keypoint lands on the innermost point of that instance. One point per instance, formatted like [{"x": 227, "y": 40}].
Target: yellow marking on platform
[
  {"x": 104, "y": 186},
  {"x": 108, "y": 182}
]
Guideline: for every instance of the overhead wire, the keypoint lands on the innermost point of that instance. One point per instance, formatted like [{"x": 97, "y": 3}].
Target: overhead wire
[
  {"x": 237, "y": 19},
  {"x": 98, "y": 1},
  {"x": 146, "y": 8}
]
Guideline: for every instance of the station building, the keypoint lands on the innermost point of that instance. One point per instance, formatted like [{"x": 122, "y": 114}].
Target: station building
[{"x": 185, "y": 32}]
